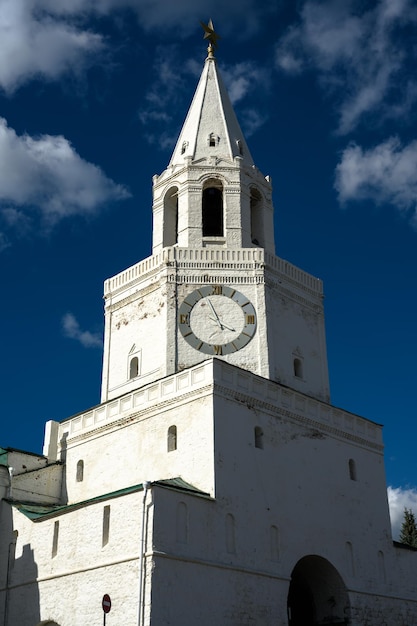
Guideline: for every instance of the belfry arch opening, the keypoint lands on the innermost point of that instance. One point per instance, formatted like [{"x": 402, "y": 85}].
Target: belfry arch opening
[
  {"x": 256, "y": 217},
  {"x": 317, "y": 595},
  {"x": 212, "y": 209},
  {"x": 170, "y": 230}
]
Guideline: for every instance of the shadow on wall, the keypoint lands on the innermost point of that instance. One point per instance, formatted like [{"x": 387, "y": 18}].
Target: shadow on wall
[
  {"x": 23, "y": 590},
  {"x": 20, "y": 596}
]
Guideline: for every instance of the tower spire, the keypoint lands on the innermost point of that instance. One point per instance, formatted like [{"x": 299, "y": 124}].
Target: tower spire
[{"x": 211, "y": 128}]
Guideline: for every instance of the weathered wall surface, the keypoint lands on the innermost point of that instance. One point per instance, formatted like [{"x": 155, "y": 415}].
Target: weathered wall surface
[{"x": 62, "y": 575}]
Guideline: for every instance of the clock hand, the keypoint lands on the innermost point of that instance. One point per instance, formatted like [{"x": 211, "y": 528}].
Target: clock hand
[
  {"x": 228, "y": 327},
  {"x": 215, "y": 314},
  {"x": 223, "y": 325}
]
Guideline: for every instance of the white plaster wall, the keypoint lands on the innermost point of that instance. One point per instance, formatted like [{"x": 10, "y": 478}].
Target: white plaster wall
[
  {"x": 301, "y": 480},
  {"x": 296, "y": 328},
  {"x": 40, "y": 485},
  {"x": 24, "y": 461},
  {"x": 248, "y": 584},
  {"x": 69, "y": 587},
  {"x": 137, "y": 450},
  {"x": 198, "y": 580},
  {"x": 142, "y": 309},
  {"x": 190, "y": 593},
  {"x": 137, "y": 327}
]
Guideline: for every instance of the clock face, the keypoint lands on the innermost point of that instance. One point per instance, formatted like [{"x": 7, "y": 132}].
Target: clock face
[{"x": 216, "y": 319}]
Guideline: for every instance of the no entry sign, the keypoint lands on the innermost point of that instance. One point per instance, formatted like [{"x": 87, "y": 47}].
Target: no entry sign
[{"x": 106, "y": 603}]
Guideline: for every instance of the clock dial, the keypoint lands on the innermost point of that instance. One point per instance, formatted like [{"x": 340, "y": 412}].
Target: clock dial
[{"x": 217, "y": 320}]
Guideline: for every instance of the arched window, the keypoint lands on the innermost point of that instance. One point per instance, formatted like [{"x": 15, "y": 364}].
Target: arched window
[
  {"x": 259, "y": 437},
  {"x": 80, "y": 471},
  {"x": 213, "y": 140},
  {"x": 170, "y": 226},
  {"x": 55, "y": 539},
  {"x": 134, "y": 367},
  {"x": 350, "y": 559},
  {"x": 298, "y": 368},
  {"x": 106, "y": 525},
  {"x": 212, "y": 209},
  {"x": 381, "y": 567},
  {"x": 274, "y": 540},
  {"x": 352, "y": 470},
  {"x": 230, "y": 534},
  {"x": 172, "y": 438},
  {"x": 256, "y": 217}
]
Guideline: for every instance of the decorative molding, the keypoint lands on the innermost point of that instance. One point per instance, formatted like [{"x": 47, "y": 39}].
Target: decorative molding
[
  {"x": 215, "y": 258},
  {"x": 242, "y": 386},
  {"x": 278, "y": 411},
  {"x": 181, "y": 279}
]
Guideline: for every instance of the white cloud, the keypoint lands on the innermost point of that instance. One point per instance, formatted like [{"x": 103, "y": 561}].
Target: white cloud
[
  {"x": 361, "y": 55},
  {"x": 164, "y": 96},
  {"x": 385, "y": 174},
  {"x": 46, "y": 38},
  {"x": 72, "y": 330},
  {"x": 4, "y": 242},
  {"x": 243, "y": 78},
  {"x": 400, "y": 499},
  {"x": 36, "y": 43},
  {"x": 46, "y": 175},
  {"x": 252, "y": 120}
]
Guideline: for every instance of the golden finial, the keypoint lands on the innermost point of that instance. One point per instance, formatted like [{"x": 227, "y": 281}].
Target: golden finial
[{"x": 212, "y": 36}]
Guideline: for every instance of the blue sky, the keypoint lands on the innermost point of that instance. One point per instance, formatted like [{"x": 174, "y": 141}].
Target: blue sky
[{"x": 93, "y": 94}]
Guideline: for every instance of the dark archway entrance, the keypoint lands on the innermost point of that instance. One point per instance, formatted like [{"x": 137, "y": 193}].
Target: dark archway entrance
[{"x": 317, "y": 595}]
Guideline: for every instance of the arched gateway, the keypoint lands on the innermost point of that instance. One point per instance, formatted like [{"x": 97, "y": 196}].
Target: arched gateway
[{"x": 317, "y": 594}]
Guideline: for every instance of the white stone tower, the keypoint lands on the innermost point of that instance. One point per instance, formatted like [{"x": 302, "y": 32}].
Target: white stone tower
[
  {"x": 213, "y": 285},
  {"x": 215, "y": 483}
]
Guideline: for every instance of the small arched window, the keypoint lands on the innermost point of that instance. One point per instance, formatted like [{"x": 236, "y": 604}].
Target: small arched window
[
  {"x": 259, "y": 437},
  {"x": 55, "y": 539},
  {"x": 213, "y": 140},
  {"x": 381, "y": 567},
  {"x": 230, "y": 534},
  {"x": 172, "y": 438},
  {"x": 350, "y": 558},
  {"x": 170, "y": 225},
  {"x": 212, "y": 210},
  {"x": 274, "y": 541},
  {"x": 298, "y": 368},
  {"x": 256, "y": 217},
  {"x": 134, "y": 367},
  {"x": 352, "y": 470},
  {"x": 184, "y": 146},
  {"x": 80, "y": 471},
  {"x": 106, "y": 525}
]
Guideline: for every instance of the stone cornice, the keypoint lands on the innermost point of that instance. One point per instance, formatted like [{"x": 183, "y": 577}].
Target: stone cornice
[
  {"x": 277, "y": 399},
  {"x": 214, "y": 258},
  {"x": 215, "y": 375},
  {"x": 294, "y": 417}
]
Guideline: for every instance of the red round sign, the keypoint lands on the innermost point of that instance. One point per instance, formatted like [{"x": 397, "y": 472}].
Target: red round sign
[{"x": 106, "y": 603}]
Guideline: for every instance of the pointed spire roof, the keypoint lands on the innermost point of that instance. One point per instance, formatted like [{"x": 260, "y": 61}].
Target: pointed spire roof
[{"x": 211, "y": 127}]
